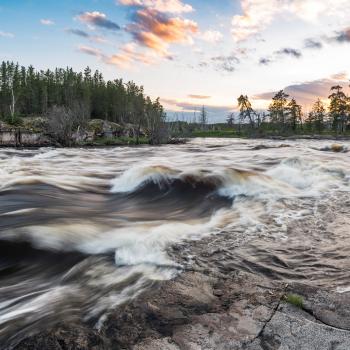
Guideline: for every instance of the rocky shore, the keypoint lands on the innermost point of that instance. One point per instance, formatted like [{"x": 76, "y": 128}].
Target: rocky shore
[
  {"x": 200, "y": 311},
  {"x": 33, "y": 132}
]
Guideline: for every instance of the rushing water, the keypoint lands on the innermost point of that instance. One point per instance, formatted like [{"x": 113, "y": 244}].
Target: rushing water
[{"x": 82, "y": 230}]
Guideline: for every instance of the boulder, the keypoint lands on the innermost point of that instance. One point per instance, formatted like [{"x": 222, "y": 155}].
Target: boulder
[
  {"x": 35, "y": 124},
  {"x": 104, "y": 128}
]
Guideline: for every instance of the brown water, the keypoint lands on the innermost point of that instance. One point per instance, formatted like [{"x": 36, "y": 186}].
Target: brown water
[{"x": 83, "y": 230}]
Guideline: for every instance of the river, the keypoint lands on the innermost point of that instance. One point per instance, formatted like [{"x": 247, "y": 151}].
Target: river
[{"x": 84, "y": 230}]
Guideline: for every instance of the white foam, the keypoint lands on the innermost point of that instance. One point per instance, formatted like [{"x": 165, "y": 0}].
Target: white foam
[{"x": 135, "y": 177}]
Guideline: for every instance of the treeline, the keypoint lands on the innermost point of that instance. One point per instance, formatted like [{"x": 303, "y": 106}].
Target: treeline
[
  {"x": 285, "y": 115},
  {"x": 25, "y": 91}
]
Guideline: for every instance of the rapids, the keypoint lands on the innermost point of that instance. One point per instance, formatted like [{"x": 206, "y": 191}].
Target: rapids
[{"x": 84, "y": 230}]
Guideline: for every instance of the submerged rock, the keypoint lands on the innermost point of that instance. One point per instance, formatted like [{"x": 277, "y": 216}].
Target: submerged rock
[{"x": 335, "y": 148}]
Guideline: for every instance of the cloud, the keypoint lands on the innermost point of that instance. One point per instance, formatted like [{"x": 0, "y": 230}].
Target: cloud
[
  {"x": 199, "y": 97},
  {"x": 47, "y": 22},
  {"x": 166, "y": 6},
  {"x": 156, "y": 30},
  {"x": 97, "y": 19},
  {"x": 90, "y": 51},
  {"x": 265, "y": 61},
  {"x": 312, "y": 44},
  {"x": 307, "y": 92},
  {"x": 203, "y": 64},
  {"x": 6, "y": 34},
  {"x": 98, "y": 39},
  {"x": 342, "y": 76},
  {"x": 226, "y": 63},
  {"x": 289, "y": 52},
  {"x": 342, "y": 36},
  {"x": 211, "y": 36},
  {"x": 128, "y": 55},
  {"x": 153, "y": 30},
  {"x": 279, "y": 54},
  {"x": 93, "y": 38},
  {"x": 78, "y": 32},
  {"x": 257, "y": 15}
]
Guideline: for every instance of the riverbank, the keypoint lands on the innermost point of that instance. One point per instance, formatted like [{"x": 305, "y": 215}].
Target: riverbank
[
  {"x": 234, "y": 134},
  {"x": 32, "y": 132}
]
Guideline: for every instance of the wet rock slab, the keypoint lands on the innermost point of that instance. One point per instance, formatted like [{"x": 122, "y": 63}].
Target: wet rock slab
[{"x": 197, "y": 311}]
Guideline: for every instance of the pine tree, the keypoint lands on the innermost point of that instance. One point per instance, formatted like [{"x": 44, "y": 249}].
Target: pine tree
[
  {"x": 294, "y": 117},
  {"x": 317, "y": 116},
  {"x": 203, "y": 117},
  {"x": 339, "y": 109},
  {"x": 278, "y": 109},
  {"x": 246, "y": 110}
]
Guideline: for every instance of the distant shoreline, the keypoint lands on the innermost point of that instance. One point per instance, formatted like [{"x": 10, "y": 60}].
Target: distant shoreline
[{"x": 280, "y": 138}]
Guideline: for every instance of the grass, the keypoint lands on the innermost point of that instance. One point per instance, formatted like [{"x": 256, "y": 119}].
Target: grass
[{"x": 295, "y": 300}]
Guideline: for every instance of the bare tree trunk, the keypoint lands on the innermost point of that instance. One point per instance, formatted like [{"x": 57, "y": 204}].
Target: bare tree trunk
[
  {"x": 138, "y": 131},
  {"x": 12, "y": 106}
]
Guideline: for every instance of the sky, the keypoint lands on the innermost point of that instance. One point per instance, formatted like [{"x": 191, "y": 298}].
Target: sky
[{"x": 189, "y": 53}]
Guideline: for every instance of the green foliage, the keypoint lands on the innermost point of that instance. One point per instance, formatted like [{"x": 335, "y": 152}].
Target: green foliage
[
  {"x": 317, "y": 117},
  {"x": 246, "y": 111},
  {"x": 286, "y": 117},
  {"x": 339, "y": 109},
  {"x": 14, "y": 120},
  {"x": 27, "y": 92},
  {"x": 294, "y": 116},
  {"x": 278, "y": 109},
  {"x": 295, "y": 300}
]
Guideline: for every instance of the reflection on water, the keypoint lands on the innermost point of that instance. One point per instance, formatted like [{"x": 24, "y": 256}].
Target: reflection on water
[{"x": 82, "y": 230}]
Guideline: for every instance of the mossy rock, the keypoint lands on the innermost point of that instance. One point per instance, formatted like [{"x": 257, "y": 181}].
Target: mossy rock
[
  {"x": 37, "y": 124},
  {"x": 96, "y": 125},
  {"x": 115, "y": 127},
  {"x": 99, "y": 126}
]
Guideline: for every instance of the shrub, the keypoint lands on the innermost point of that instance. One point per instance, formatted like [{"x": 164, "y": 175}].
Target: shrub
[{"x": 295, "y": 300}]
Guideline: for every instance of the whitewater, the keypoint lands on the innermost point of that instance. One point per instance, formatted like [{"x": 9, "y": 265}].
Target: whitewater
[{"x": 83, "y": 230}]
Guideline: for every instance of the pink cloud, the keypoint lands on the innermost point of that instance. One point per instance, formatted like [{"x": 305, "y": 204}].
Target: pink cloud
[
  {"x": 169, "y": 6},
  {"x": 156, "y": 31}
]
